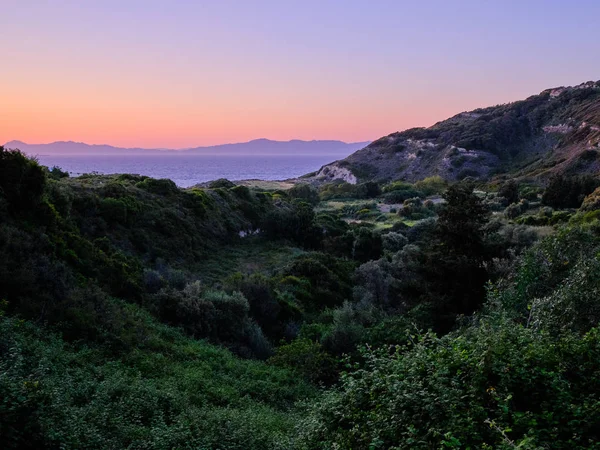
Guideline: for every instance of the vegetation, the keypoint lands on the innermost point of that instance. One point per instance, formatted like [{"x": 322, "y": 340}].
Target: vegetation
[
  {"x": 554, "y": 132},
  {"x": 134, "y": 314}
]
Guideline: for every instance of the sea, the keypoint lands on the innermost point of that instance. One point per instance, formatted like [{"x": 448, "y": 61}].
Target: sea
[{"x": 188, "y": 170}]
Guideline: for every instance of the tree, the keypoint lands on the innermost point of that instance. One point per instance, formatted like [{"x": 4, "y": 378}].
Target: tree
[
  {"x": 22, "y": 180},
  {"x": 509, "y": 191},
  {"x": 568, "y": 192},
  {"x": 453, "y": 266}
]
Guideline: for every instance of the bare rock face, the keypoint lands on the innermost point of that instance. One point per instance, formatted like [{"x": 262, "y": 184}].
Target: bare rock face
[
  {"x": 333, "y": 172},
  {"x": 557, "y": 130}
]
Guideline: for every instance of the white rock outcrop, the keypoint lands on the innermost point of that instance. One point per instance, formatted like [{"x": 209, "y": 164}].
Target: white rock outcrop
[{"x": 335, "y": 172}]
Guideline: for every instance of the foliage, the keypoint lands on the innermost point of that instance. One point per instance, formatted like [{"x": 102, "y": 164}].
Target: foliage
[
  {"x": 339, "y": 190},
  {"x": 318, "y": 280},
  {"x": 295, "y": 222},
  {"x": 108, "y": 338},
  {"x": 514, "y": 210},
  {"x": 22, "y": 180},
  {"x": 509, "y": 191},
  {"x": 168, "y": 391},
  {"x": 304, "y": 192},
  {"x": 432, "y": 185},
  {"x": 307, "y": 358},
  {"x": 415, "y": 209},
  {"x": 568, "y": 191},
  {"x": 450, "y": 390},
  {"x": 592, "y": 201}
]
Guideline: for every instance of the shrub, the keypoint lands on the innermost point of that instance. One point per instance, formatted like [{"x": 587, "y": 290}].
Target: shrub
[
  {"x": 494, "y": 386},
  {"x": 591, "y": 202},
  {"x": 568, "y": 192},
  {"x": 221, "y": 183},
  {"x": 159, "y": 187},
  {"x": 55, "y": 173},
  {"x": 22, "y": 180},
  {"x": 530, "y": 193},
  {"x": 393, "y": 241},
  {"x": 414, "y": 209},
  {"x": 509, "y": 191},
  {"x": 399, "y": 196},
  {"x": 242, "y": 192},
  {"x": 514, "y": 210},
  {"x": 367, "y": 244},
  {"x": 307, "y": 358},
  {"x": 372, "y": 283},
  {"x": 304, "y": 192},
  {"x": 295, "y": 222},
  {"x": 347, "y": 330},
  {"x": 432, "y": 185},
  {"x": 318, "y": 280}
]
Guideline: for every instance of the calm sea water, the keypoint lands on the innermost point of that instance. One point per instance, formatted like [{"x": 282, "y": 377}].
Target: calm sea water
[{"x": 187, "y": 170}]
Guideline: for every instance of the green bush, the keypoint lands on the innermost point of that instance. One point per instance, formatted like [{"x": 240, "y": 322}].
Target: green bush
[
  {"x": 509, "y": 192},
  {"x": 568, "y": 192},
  {"x": 497, "y": 385},
  {"x": 432, "y": 185},
  {"x": 167, "y": 392},
  {"x": 159, "y": 187},
  {"x": 304, "y": 192},
  {"x": 22, "y": 180},
  {"x": 307, "y": 358}
]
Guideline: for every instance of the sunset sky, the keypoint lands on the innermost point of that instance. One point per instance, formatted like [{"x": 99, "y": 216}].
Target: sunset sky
[{"x": 177, "y": 74}]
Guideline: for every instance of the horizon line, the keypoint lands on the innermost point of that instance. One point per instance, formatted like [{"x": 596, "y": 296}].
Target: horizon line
[{"x": 187, "y": 148}]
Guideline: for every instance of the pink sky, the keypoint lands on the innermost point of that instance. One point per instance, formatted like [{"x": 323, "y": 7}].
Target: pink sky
[{"x": 170, "y": 74}]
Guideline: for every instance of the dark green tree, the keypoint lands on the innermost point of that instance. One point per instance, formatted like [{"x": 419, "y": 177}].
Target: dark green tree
[
  {"x": 22, "y": 180},
  {"x": 509, "y": 191},
  {"x": 454, "y": 262},
  {"x": 568, "y": 192}
]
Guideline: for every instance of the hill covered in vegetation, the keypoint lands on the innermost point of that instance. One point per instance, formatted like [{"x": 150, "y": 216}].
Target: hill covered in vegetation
[
  {"x": 557, "y": 131},
  {"x": 433, "y": 314}
]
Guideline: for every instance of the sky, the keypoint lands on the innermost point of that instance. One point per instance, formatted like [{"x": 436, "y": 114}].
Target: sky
[{"x": 176, "y": 74}]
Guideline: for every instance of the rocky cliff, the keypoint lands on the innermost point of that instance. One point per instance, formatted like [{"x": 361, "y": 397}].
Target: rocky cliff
[{"x": 557, "y": 130}]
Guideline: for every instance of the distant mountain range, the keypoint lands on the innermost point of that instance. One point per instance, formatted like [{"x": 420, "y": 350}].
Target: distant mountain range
[
  {"x": 265, "y": 147},
  {"x": 556, "y": 131}
]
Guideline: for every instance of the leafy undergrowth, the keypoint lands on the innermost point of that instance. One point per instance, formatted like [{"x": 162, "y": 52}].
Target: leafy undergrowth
[
  {"x": 169, "y": 391},
  {"x": 251, "y": 255},
  {"x": 124, "y": 302}
]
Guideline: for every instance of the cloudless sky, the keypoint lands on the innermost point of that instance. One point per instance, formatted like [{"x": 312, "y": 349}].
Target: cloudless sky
[{"x": 173, "y": 73}]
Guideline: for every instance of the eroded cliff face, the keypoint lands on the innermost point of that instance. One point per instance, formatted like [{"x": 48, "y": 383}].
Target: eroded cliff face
[
  {"x": 333, "y": 172},
  {"x": 557, "y": 130}
]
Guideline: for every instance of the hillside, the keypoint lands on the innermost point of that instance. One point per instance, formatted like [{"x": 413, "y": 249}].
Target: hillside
[
  {"x": 134, "y": 314},
  {"x": 557, "y": 130}
]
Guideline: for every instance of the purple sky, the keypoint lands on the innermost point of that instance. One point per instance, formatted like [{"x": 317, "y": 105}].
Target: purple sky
[{"x": 187, "y": 73}]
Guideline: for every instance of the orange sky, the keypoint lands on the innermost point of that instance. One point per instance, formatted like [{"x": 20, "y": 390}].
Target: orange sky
[{"x": 182, "y": 74}]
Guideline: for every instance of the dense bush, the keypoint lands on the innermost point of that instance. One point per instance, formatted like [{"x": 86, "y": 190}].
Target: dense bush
[
  {"x": 22, "y": 180},
  {"x": 592, "y": 201},
  {"x": 415, "y": 209},
  {"x": 432, "y": 185},
  {"x": 340, "y": 190},
  {"x": 304, "y": 192},
  {"x": 295, "y": 222},
  {"x": 509, "y": 192},
  {"x": 318, "y": 280},
  {"x": 84, "y": 365},
  {"x": 398, "y": 196},
  {"x": 307, "y": 358},
  {"x": 514, "y": 210},
  {"x": 497, "y": 385},
  {"x": 168, "y": 392},
  {"x": 568, "y": 191}
]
